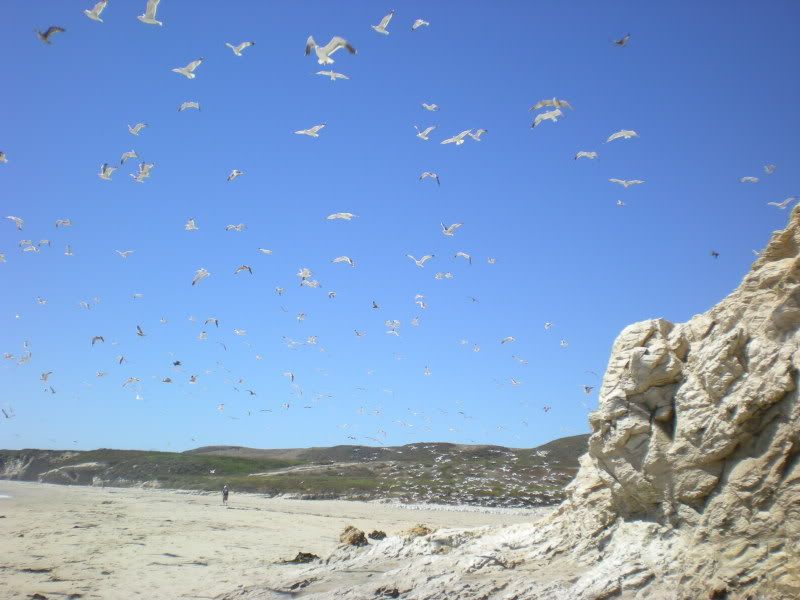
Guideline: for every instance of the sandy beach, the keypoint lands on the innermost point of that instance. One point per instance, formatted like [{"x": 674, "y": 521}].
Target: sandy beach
[{"x": 61, "y": 541}]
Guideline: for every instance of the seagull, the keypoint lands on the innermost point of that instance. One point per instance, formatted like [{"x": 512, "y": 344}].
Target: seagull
[
  {"x": 423, "y": 135},
  {"x": 199, "y": 275},
  {"x": 213, "y": 320},
  {"x": 240, "y": 332},
  {"x": 451, "y": 229},
  {"x": 289, "y": 375},
  {"x": 439, "y": 276},
  {"x": 563, "y": 343},
  {"x": 188, "y": 70},
  {"x": 477, "y": 135},
  {"x": 714, "y": 254},
  {"x": 139, "y": 331},
  {"x": 45, "y": 35},
  {"x": 265, "y": 251},
  {"x": 234, "y": 174},
  {"x": 241, "y": 268},
  {"x": 585, "y": 154},
  {"x": 94, "y": 13},
  {"x": 136, "y": 128},
  {"x": 550, "y": 115},
  {"x": 124, "y": 253},
  {"x": 126, "y": 155},
  {"x": 421, "y": 262},
  {"x": 68, "y": 250},
  {"x": 237, "y": 50},
  {"x": 331, "y": 295},
  {"x": 239, "y": 227},
  {"x": 188, "y": 104},
  {"x": 149, "y": 16},
  {"x": 44, "y": 376},
  {"x": 426, "y": 174},
  {"x": 375, "y": 305},
  {"x": 419, "y": 23},
  {"x": 106, "y": 171},
  {"x": 17, "y": 221},
  {"x": 769, "y": 169},
  {"x": 463, "y": 255},
  {"x": 748, "y": 180},
  {"x": 130, "y": 380},
  {"x": 623, "y": 41},
  {"x": 311, "y": 131},
  {"x": 344, "y": 259},
  {"x": 426, "y": 371},
  {"x": 626, "y": 183},
  {"x": 143, "y": 172},
  {"x": 333, "y": 75},
  {"x": 381, "y": 27},
  {"x": 324, "y": 52},
  {"x": 587, "y": 389},
  {"x": 622, "y": 133},
  {"x": 783, "y": 203},
  {"x": 190, "y": 225},
  {"x": 620, "y": 203},
  {"x": 507, "y": 340},
  {"x": 457, "y": 139},
  {"x": 344, "y": 216},
  {"x": 3, "y": 158},
  {"x": 554, "y": 102},
  {"x": 430, "y": 107},
  {"x": 279, "y": 291},
  {"x": 548, "y": 326}
]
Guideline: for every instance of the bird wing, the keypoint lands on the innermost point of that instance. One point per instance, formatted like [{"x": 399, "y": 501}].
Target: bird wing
[
  {"x": 151, "y": 8},
  {"x": 619, "y": 181},
  {"x": 310, "y": 43},
  {"x": 385, "y": 20},
  {"x": 335, "y": 44},
  {"x": 52, "y": 29},
  {"x": 193, "y": 65},
  {"x": 614, "y": 136},
  {"x": 541, "y": 104}
]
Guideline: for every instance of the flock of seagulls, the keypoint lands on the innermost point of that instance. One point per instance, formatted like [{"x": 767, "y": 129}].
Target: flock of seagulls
[{"x": 550, "y": 110}]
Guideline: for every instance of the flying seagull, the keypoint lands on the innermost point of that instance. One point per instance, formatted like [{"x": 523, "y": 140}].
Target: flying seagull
[
  {"x": 136, "y": 128},
  {"x": 126, "y": 155},
  {"x": 419, "y": 23},
  {"x": 477, "y": 135},
  {"x": 17, "y": 221},
  {"x": 585, "y": 154},
  {"x": 188, "y": 70},
  {"x": 550, "y": 115},
  {"x": 769, "y": 169},
  {"x": 190, "y": 225},
  {"x": 457, "y": 139},
  {"x": 428, "y": 174},
  {"x": 450, "y": 230},
  {"x": 344, "y": 216},
  {"x": 139, "y": 331},
  {"x": 3, "y": 158},
  {"x": 311, "y": 131},
  {"x": 149, "y": 16},
  {"x": 381, "y": 27},
  {"x": 98, "y": 338},
  {"x": 421, "y": 262},
  {"x": 124, "y": 253},
  {"x": 626, "y": 183},
  {"x": 241, "y": 268},
  {"x": 344, "y": 259},
  {"x": 430, "y": 107},
  {"x": 188, "y": 104},
  {"x": 423, "y": 135},
  {"x": 239, "y": 227},
  {"x": 748, "y": 180},
  {"x": 106, "y": 171},
  {"x": 333, "y": 75},
  {"x": 624, "y": 134},
  {"x": 508, "y": 339},
  {"x": 199, "y": 275},
  {"x": 623, "y": 41},
  {"x": 783, "y": 203},
  {"x": 234, "y": 174},
  {"x": 554, "y": 102},
  {"x": 463, "y": 255},
  {"x": 237, "y": 50},
  {"x": 324, "y": 52},
  {"x": 94, "y": 13},
  {"x": 45, "y": 35}
]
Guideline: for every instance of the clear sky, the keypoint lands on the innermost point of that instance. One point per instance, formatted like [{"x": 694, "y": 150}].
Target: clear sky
[{"x": 711, "y": 87}]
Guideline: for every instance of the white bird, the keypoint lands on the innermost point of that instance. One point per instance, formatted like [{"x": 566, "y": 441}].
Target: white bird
[
  {"x": 124, "y": 253},
  {"x": 563, "y": 343},
  {"x": 451, "y": 229},
  {"x": 457, "y": 139},
  {"x": 17, "y": 221},
  {"x": 188, "y": 70},
  {"x": 136, "y": 128},
  {"x": 783, "y": 203},
  {"x": 149, "y": 16},
  {"x": 477, "y": 135},
  {"x": 324, "y": 52},
  {"x": 237, "y": 50},
  {"x": 626, "y": 183},
  {"x": 143, "y": 172},
  {"x": 421, "y": 262},
  {"x": 748, "y": 180},
  {"x": 548, "y": 326},
  {"x": 126, "y": 155},
  {"x": 431, "y": 107},
  {"x": 550, "y": 115},
  {"x": 199, "y": 275},
  {"x": 3, "y": 158},
  {"x": 439, "y": 276},
  {"x": 620, "y": 203},
  {"x": 423, "y": 135},
  {"x": 190, "y": 225},
  {"x": 311, "y": 131},
  {"x": 419, "y": 23},
  {"x": 428, "y": 174},
  {"x": 139, "y": 331},
  {"x": 769, "y": 169},
  {"x": 239, "y": 227},
  {"x": 241, "y": 268},
  {"x": 289, "y": 375},
  {"x": 94, "y": 13},
  {"x": 333, "y": 75},
  {"x": 265, "y": 251},
  {"x": 234, "y": 174},
  {"x": 331, "y": 295},
  {"x": 585, "y": 154},
  {"x": 622, "y": 133},
  {"x": 623, "y": 41},
  {"x": 106, "y": 171},
  {"x": 381, "y": 27},
  {"x": 343, "y": 216},
  {"x": 188, "y": 104},
  {"x": 426, "y": 371},
  {"x": 463, "y": 255},
  {"x": 344, "y": 259},
  {"x": 491, "y": 261},
  {"x": 130, "y": 380},
  {"x": 554, "y": 102},
  {"x": 508, "y": 339}
]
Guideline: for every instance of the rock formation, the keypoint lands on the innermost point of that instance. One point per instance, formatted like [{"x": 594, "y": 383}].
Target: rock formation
[{"x": 690, "y": 488}]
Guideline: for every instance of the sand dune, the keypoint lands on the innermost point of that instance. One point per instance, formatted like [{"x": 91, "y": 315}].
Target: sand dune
[{"x": 129, "y": 543}]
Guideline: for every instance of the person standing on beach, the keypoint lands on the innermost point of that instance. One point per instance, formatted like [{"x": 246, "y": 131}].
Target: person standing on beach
[{"x": 225, "y": 494}]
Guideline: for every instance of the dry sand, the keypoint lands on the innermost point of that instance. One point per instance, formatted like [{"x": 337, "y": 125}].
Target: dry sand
[{"x": 128, "y": 543}]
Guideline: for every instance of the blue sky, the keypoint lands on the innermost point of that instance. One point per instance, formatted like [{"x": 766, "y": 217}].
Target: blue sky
[{"x": 711, "y": 88}]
